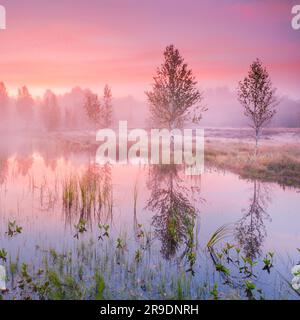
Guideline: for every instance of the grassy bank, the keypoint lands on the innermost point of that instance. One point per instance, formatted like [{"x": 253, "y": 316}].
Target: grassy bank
[{"x": 274, "y": 163}]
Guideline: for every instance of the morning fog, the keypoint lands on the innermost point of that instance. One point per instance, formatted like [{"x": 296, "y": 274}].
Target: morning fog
[
  {"x": 2, "y": 17},
  {"x": 153, "y": 147}
]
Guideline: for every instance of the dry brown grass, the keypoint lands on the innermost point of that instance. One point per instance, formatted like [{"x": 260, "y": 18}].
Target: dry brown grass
[{"x": 276, "y": 163}]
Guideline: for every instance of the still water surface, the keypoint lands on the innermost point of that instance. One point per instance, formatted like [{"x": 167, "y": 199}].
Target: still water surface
[{"x": 262, "y": 217}]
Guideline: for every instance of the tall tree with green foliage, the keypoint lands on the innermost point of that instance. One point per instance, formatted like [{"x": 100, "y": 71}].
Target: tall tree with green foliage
[
  {"x": 174, "y": 99},
  {"x": 257, "y": 95}
]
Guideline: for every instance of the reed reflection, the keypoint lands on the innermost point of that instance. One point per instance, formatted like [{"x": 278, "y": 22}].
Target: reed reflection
[
  {"x": 89, "y": 196},
  {"x": 3, "y": 169}
]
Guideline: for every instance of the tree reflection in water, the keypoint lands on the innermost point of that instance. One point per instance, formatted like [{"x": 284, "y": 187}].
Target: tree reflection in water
[
  {"x": 174, "y": 215},
  {"x": 250, "y": 229}
]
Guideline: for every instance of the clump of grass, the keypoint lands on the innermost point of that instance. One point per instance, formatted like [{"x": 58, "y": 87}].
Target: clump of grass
[
  {"x": 70, "y": 192},
  {"x": 89, "y": 187},
  {"x": 88, "y": 194},
  {"x": 220, "y": 234},
  {"x": 99, "y": 286}
]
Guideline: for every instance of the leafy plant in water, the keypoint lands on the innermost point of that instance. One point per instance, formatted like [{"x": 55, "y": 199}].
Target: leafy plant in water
[
  {"x": 100, "y": 287},
  {"x": 214, "y": 292},
  {"x": 249, "y": 288},
  {"x": 221, "y": 268},
  {"x": 80, "y": 227},
  {"x": 138, "y": 256},
  {"x": 191, "y": 253},
  {"x": 105, "y": 233},
  {"x": 13, "y": 229},
  {"x": 3, "y": 255},
  {"x": 191, "y": 256},
  {"x": 140, "y": 233},
  {"x": 268, "y": 262},
  {"x": 120, "y": 244},
  {"x": 179, "y": 290}
]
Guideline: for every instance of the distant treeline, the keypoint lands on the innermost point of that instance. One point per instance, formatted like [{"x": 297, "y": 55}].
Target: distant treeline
[
  {"x": 67, "y": 111},
  {"x": 50, "y": 113}
]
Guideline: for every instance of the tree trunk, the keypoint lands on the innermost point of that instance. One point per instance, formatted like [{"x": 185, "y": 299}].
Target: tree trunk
[{"x": 256, "y": 141}]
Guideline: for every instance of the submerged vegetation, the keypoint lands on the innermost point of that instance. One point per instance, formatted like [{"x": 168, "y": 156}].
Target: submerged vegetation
[{"x": 104, "y": 268}]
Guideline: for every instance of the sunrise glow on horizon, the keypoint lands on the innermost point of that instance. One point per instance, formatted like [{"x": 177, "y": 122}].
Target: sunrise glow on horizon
[{"x": 62, "y": 45}]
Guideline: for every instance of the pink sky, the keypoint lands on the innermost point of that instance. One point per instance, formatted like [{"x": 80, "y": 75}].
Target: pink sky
[{"x": 61, "y": 44}]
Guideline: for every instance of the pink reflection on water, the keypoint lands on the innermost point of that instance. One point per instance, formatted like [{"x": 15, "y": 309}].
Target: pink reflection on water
[{"x": 32, "y": 187}]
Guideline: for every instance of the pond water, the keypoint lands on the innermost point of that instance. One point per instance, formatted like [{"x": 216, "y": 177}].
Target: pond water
[{"x": 35, "y": 190}]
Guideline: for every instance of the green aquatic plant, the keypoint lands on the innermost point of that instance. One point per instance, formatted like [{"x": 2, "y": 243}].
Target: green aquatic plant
[
  {"x": 80, "y": 227},
  {"x": 140, "y": 231},
  {"x": 180, "y": 294},
  {"x": 221, "y": 268},
  {"x": 13, "y": 229},
  {"x": 220, "y": 234},
  {"x": 190, "y": 253},
  {"x": 99, "y": 287},
  {"x": 120, "y": 244},
  {"x": 108, "y": 270},
  {"x": 13, "y": 269},
  {"x": 268, "y": 262},
  {"x": 3, "y": 255},
  {"x": 214, "y": 292},
  {"x": 138, "y": 256},
  {"x": 249, "y": 288},
  {"x": 104, "y": 231}
]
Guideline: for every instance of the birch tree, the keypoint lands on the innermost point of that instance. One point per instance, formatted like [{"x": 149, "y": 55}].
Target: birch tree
[
  {"x": 257, "y": 96},
  {"x": 174, "y": 98}
]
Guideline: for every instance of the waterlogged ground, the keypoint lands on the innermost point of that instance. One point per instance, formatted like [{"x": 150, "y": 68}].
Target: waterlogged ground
[{"x": 91, "y": 232}]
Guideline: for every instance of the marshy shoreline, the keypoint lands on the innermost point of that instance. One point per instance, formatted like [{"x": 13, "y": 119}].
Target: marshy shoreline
[
  {"x": 232, "y": 149},
  {"x": 279, "y": 164}
]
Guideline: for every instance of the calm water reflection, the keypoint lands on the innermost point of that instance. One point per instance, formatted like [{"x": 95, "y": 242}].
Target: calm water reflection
[{"x": 179, "y": 212}]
